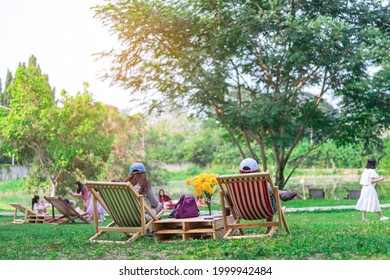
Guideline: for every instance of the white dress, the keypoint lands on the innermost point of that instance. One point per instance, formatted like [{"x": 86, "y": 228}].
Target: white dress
[{"x": 368, "y": 200}]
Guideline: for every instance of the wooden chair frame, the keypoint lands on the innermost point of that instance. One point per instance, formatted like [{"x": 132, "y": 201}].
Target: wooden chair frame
[
  {"x": 125, "y": 206},
  {"x": 26, "y": 212},
  {"x": 68, "y": 213},
  {"x": 225, "y": 182}
]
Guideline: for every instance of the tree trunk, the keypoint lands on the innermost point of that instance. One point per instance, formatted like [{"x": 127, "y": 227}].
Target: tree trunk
[
  {"x": 263, "y": 153},
  {"x": 279, "y": 177},
  {"x": 233, "y": 138},
  {"x": 53, "y": 186}
]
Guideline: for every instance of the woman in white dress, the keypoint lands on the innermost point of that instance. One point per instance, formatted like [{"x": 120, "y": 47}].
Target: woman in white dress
[{"x": 368, "y": 200}]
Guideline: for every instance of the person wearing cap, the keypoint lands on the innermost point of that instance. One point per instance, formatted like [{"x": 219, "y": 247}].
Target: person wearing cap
[
  {"x": 249, "y": 165},
  {"x": 141, "y": 183},
  {"x": 368, "y": 200}
]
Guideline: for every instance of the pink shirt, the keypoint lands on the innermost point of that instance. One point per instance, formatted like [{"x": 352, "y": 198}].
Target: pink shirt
[{"x": 85, "y": 193}]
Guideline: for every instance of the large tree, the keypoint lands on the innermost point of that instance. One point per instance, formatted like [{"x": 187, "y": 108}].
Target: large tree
[
  {"x": 66, "y": 139},
  {"x": 264, "y": 69}
]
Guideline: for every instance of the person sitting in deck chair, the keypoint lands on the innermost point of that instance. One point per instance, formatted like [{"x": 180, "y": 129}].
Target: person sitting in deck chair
[
  {"x": 249, "y": 165},
  {"x": 141, "y": 183}
]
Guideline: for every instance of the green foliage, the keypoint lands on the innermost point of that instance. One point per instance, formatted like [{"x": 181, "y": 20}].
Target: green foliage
[
  {"x": 330, "y": 155},
  {"x": 81, "y": 146},
  {"x": 208, "y": 141},
  {"x": 11, "y": 186},
  {"x": 35, "y": 181},
  {"x": 249, "y": 65},
  {"x": 165, "y": 139},
  {"x": 194, "y": 170},
  {"x": 66, "y": 142},
  {"x": 175, "y": 139},
  {"x": 126, "y": 133},
  {"x": 6, "y": 95},
  {"x": 385, "y": 161},
  {"x": 69, "y": 139}
]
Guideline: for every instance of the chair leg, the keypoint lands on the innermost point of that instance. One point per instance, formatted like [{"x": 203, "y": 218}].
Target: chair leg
[
  {"x": 96, "y": 236},
  {"x": 229, "y": 233},
  {"x": 284, "y": 220},
  {"x": 272, "y": 231},
  {"x": 285, "y": 223},
  {"x": 134, "y": 237}
]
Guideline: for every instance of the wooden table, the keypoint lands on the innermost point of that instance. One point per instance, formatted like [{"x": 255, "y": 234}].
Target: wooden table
[{"x": 208, "y": 226}]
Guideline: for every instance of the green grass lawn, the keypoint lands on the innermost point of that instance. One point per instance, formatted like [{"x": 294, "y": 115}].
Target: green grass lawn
[{"x": 336, "y": 235}]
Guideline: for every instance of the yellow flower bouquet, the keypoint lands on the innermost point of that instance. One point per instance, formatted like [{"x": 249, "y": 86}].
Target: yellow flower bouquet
[{"x": 205, "y": 185}]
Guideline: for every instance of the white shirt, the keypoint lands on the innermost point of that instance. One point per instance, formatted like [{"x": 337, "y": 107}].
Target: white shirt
[{"x": 367, "y": 174}]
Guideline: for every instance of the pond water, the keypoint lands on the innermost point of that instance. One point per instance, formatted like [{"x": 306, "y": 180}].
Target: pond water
[{"x": 335, "y": 187}]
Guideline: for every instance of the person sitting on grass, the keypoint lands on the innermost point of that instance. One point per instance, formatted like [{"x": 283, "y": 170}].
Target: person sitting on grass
[{"x": 39, "y": 206}]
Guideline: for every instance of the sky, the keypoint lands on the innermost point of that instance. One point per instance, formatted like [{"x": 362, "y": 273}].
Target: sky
[{"x": 63, "y": 35}]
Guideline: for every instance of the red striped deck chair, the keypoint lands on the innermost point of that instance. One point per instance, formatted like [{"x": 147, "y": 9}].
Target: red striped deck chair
[
  {"x": 248, "y": 199},
  {"x": 127, "y": 208}
]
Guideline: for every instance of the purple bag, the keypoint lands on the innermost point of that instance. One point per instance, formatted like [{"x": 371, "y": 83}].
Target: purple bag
[{"x": 185, "y": 208}]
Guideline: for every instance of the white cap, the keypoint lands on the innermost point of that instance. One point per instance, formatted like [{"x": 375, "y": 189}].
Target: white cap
[{"x": 249, "y": 163}]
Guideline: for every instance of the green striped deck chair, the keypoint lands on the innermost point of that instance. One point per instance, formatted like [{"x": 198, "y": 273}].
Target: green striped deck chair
[
  {"x": 126, "y": 207},
  {"x": 68, "y": 213}
]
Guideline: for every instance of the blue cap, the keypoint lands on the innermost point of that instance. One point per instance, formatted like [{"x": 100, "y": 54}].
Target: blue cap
[{"x": 137, "y": 166}]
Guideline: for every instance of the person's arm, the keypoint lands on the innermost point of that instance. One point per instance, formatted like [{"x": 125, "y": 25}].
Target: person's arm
[
  {"x": 375, "y": 180},
  {"x": 375, "y": 177},
  {"x": 152, "y": 198},
  {"x": 74, "y": 194}
]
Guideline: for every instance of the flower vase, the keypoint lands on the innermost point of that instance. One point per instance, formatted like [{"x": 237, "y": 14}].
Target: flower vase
[{"x": 208, "y": 202}]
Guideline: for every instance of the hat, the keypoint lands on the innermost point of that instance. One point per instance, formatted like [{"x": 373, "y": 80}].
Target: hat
[
  {"x": 249, "y": 164},
  {"x": 137, "y": 167}
]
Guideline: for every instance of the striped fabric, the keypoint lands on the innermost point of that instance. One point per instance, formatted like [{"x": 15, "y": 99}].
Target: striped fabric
[
  {"x": 250, "y": 198},
  {"x": 122, "y": 205}
]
